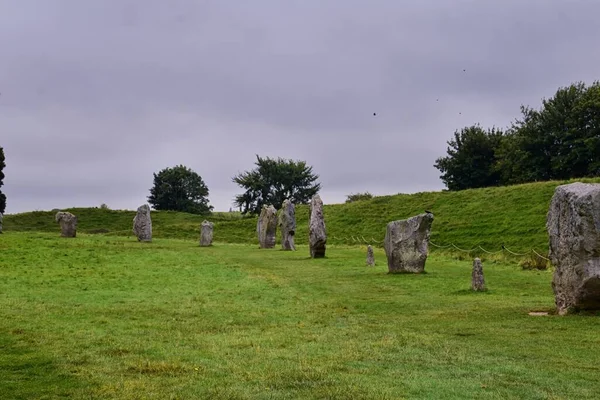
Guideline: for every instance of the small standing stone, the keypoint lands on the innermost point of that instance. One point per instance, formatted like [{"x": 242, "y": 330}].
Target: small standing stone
[
  {"x": 206, "y": 233},
  {"x": 317, "y": 233},
  {"x": 370, "y": 256},
  {"x": 1, "y": 218},
  {"x": 287, "y": 224},
  {"x": 68, "y": 223},
  {"x": 406, "y": 243},
  {"x": 142, "y": 224},
  {"x": 477, "y": 281},
  {"x": 573, "y": 224},
  {"x": 266, "y": 227}
]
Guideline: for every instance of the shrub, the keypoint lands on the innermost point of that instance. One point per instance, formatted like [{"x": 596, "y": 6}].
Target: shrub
[
  {"x": 352, "y": 197},
  {"x": 534, "y": 262}
]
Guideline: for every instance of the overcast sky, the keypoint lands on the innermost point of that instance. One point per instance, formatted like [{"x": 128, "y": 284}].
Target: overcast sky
[{"x": 96, "y": 95}]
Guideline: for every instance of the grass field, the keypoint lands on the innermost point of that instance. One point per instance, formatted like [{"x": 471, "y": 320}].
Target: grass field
[{"x": 110, "y": 318}]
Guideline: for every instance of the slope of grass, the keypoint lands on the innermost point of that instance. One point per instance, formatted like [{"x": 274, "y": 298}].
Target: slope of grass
[
  {"x": 111, "y": 318},
  {"x": 514, "y": 216}
]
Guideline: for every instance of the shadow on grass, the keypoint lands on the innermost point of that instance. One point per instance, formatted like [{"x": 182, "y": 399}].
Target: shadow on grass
[
  {"x": 26, "y": 374},
  {"x": 471, "y": 292}
]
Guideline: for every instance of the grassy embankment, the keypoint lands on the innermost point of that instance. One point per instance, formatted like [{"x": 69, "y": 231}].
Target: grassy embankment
[{"x": 513, "y": 216}]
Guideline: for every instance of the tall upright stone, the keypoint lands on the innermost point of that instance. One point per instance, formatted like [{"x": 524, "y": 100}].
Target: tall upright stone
[
  {"x": 266, "y": 227},
  {"x": 406, "y": 243},
  {"x": 370, "y": 256},
  {"x": 477, "y": 281},
  {"x": 573, "y": 224},
  {"x": 287, "y": 225},
  {"x": 68, "y": 223},
  {"x": 1, "y": 219},
  {"x": 317, "y": 234},
  {"x": 142, "y": 224},
  {"x": 206, "y": 233}
]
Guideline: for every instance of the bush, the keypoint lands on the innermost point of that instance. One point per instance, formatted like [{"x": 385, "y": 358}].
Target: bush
[
  {"x": 534, "y": 262},
  {"x": 352, "y": 197}
]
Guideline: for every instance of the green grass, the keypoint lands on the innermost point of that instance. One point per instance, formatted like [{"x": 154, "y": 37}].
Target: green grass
[
  {"x": 514, "y": 216},
  {"x": 111, "y": 318}
]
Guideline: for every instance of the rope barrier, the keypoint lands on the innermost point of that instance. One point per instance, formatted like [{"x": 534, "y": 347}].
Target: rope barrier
[
  {"x": 489, "y": 252},
  {"x": 513, "y": 253},
  {"x": 463, "y": 250},
  {"x": 361, "y": 239},
  {"x": 539, "y": 255}
]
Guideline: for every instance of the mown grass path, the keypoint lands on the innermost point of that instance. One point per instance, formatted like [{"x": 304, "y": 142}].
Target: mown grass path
[{"x": 107, "y": 317}]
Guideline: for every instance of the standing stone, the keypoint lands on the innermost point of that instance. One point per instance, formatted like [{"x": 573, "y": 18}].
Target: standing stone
[
  {"x": 573, "y": 224},
  {"x": 370, "y": 256},
  {"x": 287, "y": 224},
  {"x": 206, "y": 233},
  {"x": 68, "y": 223},
  {"x": 406, "y": 243},
  {"x": 477, "y": 281},
  {"x": 1, "y": 219},
  {"x": 142, "y": 224},
  {"x": 266, "y": 227},
  {"x": 317, "y": 235}
]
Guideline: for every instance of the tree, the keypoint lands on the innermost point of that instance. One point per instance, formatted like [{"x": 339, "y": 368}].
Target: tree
[
  {"x": 561, "y": 140},
  {"x": 2, "y": 195},
  {"x": 352, "y": 197},
  {"x": 273, "y": 181},
  {"x": 179, "y": 189},
  {"x": 471, "y": 160}
]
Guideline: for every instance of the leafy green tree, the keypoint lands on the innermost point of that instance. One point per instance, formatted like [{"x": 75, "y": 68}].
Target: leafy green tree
[
  {"x": 2, "y": 195},
  {"x": 352, "y": 197},
  {"x": 561, "y": 140},
  {"x": 471, "y": 159},
  {"x": 273, "y": 181},
  {"x": 179, "y": 189}
]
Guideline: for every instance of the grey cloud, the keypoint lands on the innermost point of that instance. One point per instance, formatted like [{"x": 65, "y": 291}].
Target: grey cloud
[{"x": 100, "y": 94}]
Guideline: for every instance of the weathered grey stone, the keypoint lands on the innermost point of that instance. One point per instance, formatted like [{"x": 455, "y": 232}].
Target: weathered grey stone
[
  {"x": 406, "y": 243},
  {"x": 477, "y": 281},
  {"x": 68, "y": 223},
  {"x": 142, "y": 224},
  {"x": 1, "y": 219},
  {"x": 317, "y": 234},
  {"x": 266, "y": 227},
  {"x": 287, "y": 225},
  {"x": 370, "y": 256},
  {"x": 206, "y": 233},
  {"x": 573, "y": 224}
]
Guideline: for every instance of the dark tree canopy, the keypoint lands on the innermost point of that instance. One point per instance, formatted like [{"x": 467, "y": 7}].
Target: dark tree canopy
[
  {"x": 179, "y": 189},
  {"x": 273, "y": 181},
  {"x": 559, "y": 141},
  {"x": 471, "y": 159},
  {"x": 2, "y": 196}
]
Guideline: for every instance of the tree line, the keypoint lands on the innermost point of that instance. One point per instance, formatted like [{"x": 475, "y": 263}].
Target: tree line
[{"x": 560, "y": 140}]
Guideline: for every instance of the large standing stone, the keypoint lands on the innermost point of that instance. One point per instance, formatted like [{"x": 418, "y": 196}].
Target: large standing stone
[
  {"x": 317, "y": 234},
  {"x": 477, "y": 281},
  {"x": 206, "y": 233},
  {"x": 68, "y": 223},
  {"x": 287, "y": 225},
  {"x": 573, "y": 224},
  {"x": 266, "y": 227},
  {"x": 406, "y": 243},
  {"x": 142, "y": 224},
  {"x": 1, "y": 219},
  {"x": 370, "y": 256}
]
